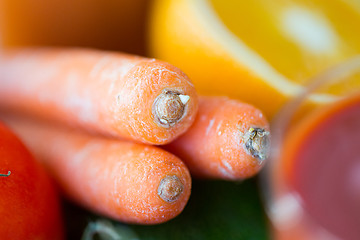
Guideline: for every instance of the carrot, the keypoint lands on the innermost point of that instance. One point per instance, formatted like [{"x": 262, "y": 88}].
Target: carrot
[
  {"x": 110, "y": 93},
  {"x": 228, "y": 140},
  {"x": 126, "y": 181}
]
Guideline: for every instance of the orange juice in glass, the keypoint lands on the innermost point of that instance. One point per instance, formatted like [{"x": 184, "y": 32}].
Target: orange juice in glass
[{"x": 312, "y": 181}]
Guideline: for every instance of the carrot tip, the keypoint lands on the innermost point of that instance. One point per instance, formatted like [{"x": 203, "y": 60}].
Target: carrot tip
[
  {"x": 169, "y": 108},
  {"x": 257, "y": 143},
  {"x": 170, "y": 188}
]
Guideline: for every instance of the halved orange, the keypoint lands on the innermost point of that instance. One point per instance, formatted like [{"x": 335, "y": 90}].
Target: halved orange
[{"x": 260, "y": 51}]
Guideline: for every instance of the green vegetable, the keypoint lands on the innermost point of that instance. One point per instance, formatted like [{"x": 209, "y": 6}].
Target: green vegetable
[{"x": 217, "y": 210}]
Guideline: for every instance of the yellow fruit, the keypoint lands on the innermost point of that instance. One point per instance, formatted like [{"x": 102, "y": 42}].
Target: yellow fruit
[{"x": 260, "y": 51}]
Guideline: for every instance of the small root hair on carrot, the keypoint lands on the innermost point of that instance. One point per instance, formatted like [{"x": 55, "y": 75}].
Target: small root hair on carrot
[
  {"x": 257, "y": 143},
  {"x": 169, "y": 108},
  {"x": 170, "y": 188}
]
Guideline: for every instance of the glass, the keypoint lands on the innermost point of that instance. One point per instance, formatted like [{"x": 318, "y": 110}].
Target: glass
[{"x": 289, "y": 209}]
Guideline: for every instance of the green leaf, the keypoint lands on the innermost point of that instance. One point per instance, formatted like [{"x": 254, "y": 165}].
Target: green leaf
[{"x": 216, "y": 210}]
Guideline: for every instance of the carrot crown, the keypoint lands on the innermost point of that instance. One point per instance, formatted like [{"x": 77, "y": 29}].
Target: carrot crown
[
  {"x": 169, "y": 108},
  {"x": 256, "y": 141},
  {"x": 170, "y": 188}
]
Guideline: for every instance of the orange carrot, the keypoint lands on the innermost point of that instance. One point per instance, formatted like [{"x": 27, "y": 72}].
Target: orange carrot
[
  {"x": 126, "y": 181},
  {"x": 115, "y": 94},
  {"x": 228, "y": 140}
]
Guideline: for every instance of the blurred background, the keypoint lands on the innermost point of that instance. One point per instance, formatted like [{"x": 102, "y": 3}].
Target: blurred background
[
  {"x": 107, "y": 24},
  {"x": 263, "y": 52}
]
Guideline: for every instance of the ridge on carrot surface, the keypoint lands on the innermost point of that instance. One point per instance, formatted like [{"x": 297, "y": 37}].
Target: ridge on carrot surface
[
  {"x": 126, "y": 181},
  {"x": 228, "y": 140},
  {"x": 115, "y": 94}
]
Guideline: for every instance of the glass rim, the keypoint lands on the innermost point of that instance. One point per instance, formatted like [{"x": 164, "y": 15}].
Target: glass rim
[{"x": 278, "y": 127}]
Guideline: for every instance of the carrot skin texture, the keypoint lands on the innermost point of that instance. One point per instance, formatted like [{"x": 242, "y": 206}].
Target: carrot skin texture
[
  {"x": 104, "y": 92},
  {"x": 118, "y": 179},
  {"x": 214, "y": 146},
  {"x": 29, "y": 202}
]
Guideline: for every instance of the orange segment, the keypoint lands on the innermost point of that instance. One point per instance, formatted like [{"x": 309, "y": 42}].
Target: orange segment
[
  {"x": 298, "y": 38},
  {"x": 262, "y": 52}
]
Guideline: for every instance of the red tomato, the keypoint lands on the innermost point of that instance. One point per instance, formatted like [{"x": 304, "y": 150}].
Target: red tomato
[{"x": 29, "y": 204}]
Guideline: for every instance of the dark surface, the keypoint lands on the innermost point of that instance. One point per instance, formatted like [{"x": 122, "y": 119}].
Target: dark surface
[{"x": 216, "y": 210}]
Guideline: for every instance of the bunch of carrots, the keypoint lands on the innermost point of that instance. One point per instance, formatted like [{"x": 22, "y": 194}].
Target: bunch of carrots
[{"x": 122, "y": 134}]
